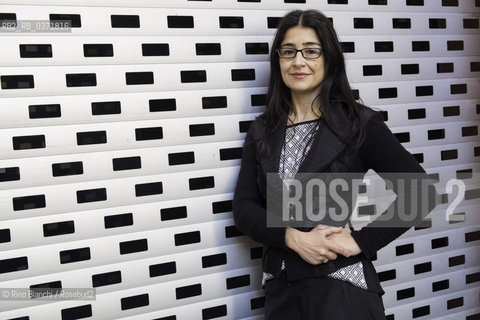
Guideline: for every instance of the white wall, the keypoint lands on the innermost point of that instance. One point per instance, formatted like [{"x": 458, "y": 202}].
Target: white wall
[{"x": 189, "y": 262}]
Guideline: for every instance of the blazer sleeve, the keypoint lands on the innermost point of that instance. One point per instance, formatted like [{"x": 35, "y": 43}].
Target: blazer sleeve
[
  {"x": 249, "y": 209},
  {"x": 383, "y": 153}
]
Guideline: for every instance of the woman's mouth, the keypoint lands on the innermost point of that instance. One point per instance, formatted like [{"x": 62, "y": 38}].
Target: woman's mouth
[{"x": 299, "y": 75}]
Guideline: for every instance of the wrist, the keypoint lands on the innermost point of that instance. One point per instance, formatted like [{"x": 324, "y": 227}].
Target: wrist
[{"x": 290, "y": 238}]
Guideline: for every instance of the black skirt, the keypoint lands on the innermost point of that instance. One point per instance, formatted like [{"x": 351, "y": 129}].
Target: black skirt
[{"x": 321, "y": 298}]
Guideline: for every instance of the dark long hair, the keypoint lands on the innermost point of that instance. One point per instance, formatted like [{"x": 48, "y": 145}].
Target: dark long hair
[{"x": 335, "y": 92}]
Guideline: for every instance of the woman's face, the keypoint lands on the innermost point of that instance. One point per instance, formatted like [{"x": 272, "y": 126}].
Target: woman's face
[{"x": 302, "y": 76}]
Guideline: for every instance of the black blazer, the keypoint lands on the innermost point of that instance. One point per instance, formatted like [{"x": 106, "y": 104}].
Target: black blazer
[{"x": 380, "y": 151}]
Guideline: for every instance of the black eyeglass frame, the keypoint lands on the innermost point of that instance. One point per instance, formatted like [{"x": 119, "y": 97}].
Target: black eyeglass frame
[{"x": 301, "y": 51}]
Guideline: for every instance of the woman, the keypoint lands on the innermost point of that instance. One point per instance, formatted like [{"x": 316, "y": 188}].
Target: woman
[{"x": 312, "y": 123}]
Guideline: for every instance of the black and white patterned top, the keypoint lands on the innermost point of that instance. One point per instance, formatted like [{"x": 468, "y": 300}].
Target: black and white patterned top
[{"x": 298, "y": 141}]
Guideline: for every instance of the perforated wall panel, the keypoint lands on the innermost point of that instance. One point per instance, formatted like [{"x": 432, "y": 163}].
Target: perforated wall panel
[{"x": 120, "y": 143}]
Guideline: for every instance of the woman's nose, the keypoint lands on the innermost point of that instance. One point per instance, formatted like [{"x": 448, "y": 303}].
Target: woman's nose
[{"x": 299, "y": 59}]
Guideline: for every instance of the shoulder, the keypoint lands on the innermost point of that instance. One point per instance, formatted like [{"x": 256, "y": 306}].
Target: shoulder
[
  {"x": 261, "y": 125},
  {"x": 257, "y": 127},
  {"x": 343, "y": 116},
  {"x": 370, "y": 114}
]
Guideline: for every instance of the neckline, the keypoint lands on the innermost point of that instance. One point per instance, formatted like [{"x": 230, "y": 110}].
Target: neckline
[{"x": 303, "y": 122}]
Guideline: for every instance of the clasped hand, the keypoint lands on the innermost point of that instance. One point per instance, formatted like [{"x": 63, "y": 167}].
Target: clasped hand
[{"x": 322, "y": 243}]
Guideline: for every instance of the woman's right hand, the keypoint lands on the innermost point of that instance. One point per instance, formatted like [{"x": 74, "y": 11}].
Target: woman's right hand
[{"x": 314, "y": 246}]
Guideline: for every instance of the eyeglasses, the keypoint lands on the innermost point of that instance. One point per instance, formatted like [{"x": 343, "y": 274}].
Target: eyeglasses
[{"x": 307, "y": 53}]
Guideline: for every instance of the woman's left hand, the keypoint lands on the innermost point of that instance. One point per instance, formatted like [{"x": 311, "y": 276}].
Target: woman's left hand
[{"x": 345, "y": 239}]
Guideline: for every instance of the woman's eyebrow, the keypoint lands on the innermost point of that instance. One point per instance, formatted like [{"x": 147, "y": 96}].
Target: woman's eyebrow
[{"x": 311, "y": 43}]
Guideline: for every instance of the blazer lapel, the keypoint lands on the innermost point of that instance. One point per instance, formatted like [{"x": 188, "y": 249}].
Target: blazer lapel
[{"x": 325, "y": 149}]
